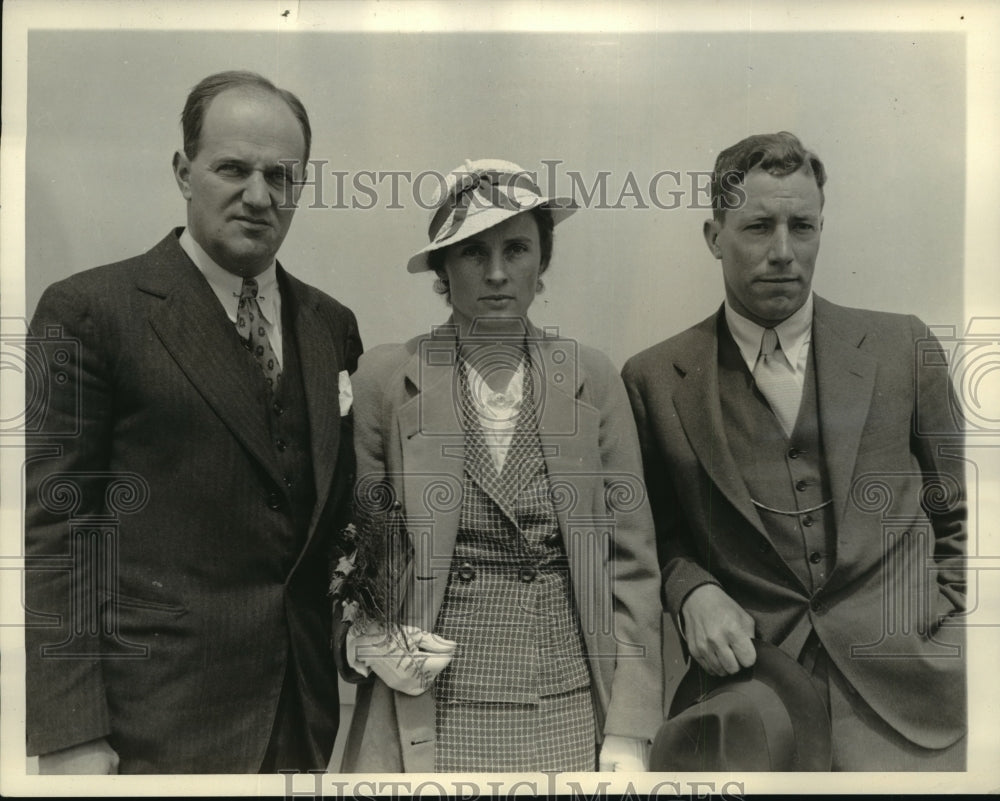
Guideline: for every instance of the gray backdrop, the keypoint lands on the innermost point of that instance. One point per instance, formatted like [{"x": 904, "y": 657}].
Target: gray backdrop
[{"x": 885, "y": 111}]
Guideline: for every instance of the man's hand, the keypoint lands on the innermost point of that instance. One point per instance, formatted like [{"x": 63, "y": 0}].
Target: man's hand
[
  {"x": 718, "y": 631},
  {"x": 94, "y": 757}
]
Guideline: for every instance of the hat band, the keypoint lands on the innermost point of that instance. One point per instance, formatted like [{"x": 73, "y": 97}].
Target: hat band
[{"x": 491, "y": 190}]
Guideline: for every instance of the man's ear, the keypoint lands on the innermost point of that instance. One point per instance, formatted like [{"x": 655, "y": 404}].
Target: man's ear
[
  {"x": 182, "y": 174},
  {"x": 711, "y": 233}
]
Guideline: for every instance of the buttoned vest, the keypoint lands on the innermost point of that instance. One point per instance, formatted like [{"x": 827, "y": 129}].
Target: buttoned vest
[
  {"x": 509, "y": 602},
  {"x": 786, "y": 476},
  {"x": 288, "y": 426}
]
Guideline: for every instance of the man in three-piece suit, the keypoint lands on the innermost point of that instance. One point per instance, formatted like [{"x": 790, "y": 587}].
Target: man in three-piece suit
[
  {"x": 806, "y": 475},
  {"x": 178, "y": 538}
]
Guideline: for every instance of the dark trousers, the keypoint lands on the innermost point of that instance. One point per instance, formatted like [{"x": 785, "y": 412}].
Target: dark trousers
[{"x": 289, "y": 747}]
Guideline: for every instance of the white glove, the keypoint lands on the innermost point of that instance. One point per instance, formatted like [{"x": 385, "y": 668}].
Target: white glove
[
  {"x": 623, "y": 754},
  {"x": 406, "y": 658}
]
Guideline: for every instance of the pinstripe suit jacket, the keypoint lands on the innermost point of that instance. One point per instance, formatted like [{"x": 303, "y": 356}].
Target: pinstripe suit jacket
[
  {"x": 408, "y": 430},
  {"x": 206, "y": 584}
]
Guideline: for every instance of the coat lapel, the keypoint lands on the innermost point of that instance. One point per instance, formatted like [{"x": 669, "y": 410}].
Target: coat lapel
[
  {"x": 432, "y": 441},
  {"x": 700, "y": 411},
  {"x": 203, "y": 342},
  {"x": 845, "y": 379},
  {"x": 320, "y": 379},
  {"x": 567, "y": 431}
]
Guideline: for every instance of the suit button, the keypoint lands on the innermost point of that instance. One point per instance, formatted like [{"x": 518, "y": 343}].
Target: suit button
[
  {"x": 801, "y": 485},
  {"x": 278, "y": 409},
  {"x": 793, "y": 453},
  {"x": 552, "y": 539},
  {"x": 288, "y": 481},
  {"x": 807, "y": 520},
  {"x": 527, "y": 574},
  {"x": 815, "y": 557},
  {"x": 274, "y": 501},
  {"x": 280, "y": 445},
  {"x": 816, "y": 604},
  {"x": 467, "y": 572}
]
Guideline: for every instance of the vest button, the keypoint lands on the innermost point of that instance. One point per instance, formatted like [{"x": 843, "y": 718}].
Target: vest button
[
  {"x": 807, "y": 520},
  {"x": 467, "y": 572},
  {"x": 816, "y": 605},
  {"x": 793, "y": 453},
  {"x": 274, "y": 501},
  {"x": 801, "y": 485},
  {"x": 815, "y": 557},
  {"x": 527, "y": 574},
  {"x": 280, "y": 445},
  {"x": 278, "y": 409}
]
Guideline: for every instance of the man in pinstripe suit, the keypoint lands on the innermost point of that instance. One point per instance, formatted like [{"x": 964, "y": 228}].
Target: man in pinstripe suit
[{"x": 209, "y": 382}]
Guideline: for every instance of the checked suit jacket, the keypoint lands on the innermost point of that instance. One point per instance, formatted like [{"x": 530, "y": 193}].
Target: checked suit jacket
[
  {"x": 208, "y": 597},
  {"x": 889, "y": 614},
  {"x": 409, "y": 434}
]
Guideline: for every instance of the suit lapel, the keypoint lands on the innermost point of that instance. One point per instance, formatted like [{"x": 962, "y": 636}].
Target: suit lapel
[
  {"x": 700, "y": 411},
  {"x": 320, "y": 379},
  {"x": 845, "y": 379},
  {"x": 203, "y": 342}
]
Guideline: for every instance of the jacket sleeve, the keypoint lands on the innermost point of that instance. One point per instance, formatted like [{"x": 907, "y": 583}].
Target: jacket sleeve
[
  {"x": 636, "y": 705},
  {"x": 69, "y": 398},
  {"x": 681, "y": 570},
  {"x": 372, "y": 494},
  {"x": 937, "y": 442}
]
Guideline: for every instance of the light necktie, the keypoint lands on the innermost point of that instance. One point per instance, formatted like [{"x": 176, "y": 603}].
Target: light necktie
[
  {"x": 774, "y": 379},
  {"x": 250, "y": 325}
]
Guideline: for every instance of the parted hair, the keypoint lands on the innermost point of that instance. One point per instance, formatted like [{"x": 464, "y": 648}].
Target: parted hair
[{"x": 778, "y": 154}]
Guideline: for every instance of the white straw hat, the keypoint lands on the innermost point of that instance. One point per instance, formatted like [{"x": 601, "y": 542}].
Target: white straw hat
[{"x": 477, "y": 196}]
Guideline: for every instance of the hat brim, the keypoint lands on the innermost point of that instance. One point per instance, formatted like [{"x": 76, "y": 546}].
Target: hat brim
[
  {"x": 480, "y": 219},
  {"x": 792, "y": 684}
]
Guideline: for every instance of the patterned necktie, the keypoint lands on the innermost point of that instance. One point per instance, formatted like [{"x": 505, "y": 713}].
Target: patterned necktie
[
  {"x": 250, "y": 324},
  {"x": 774, "y": 379}
]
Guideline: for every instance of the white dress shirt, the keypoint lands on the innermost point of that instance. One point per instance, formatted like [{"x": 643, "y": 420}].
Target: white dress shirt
[
  {"x": 497, "y": 411},
  {"x": 227, "y": 287},
  {"x": 794, "y": 337}
]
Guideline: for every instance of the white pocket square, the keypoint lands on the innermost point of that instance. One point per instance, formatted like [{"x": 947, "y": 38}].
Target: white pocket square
[{"x": 346, "y": 395}]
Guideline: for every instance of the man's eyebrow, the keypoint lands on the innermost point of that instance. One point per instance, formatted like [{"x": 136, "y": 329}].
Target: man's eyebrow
[{"x": 223, "y": 158}]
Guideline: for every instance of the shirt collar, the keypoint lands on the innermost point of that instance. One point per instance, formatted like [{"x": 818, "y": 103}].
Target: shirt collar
[
  {"x": 227, "y": 285},
  {"x": 794, "y": 333}
]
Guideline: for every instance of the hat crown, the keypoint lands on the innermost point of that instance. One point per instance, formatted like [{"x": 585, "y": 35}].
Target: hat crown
[
  {"x": 470, "y": 173},
  {"x": 478, "y": 195}
]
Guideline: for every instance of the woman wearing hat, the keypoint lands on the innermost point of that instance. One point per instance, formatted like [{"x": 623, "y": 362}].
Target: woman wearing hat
[{"x": 502, "y": 462}]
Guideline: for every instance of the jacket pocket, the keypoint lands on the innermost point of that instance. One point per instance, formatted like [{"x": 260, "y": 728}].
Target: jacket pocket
[{"x": 131, "y": 602}]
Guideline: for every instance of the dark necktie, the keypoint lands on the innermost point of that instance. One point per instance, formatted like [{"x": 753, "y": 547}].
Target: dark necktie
[
  {"x": 250, "y": 324},
  {"x": 774, "y": 379}
]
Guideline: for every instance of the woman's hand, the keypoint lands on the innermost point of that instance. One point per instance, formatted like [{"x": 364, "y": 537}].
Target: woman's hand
[
  {"x": 623, "y": 754},
  {"x": 406, "y": 658}
]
